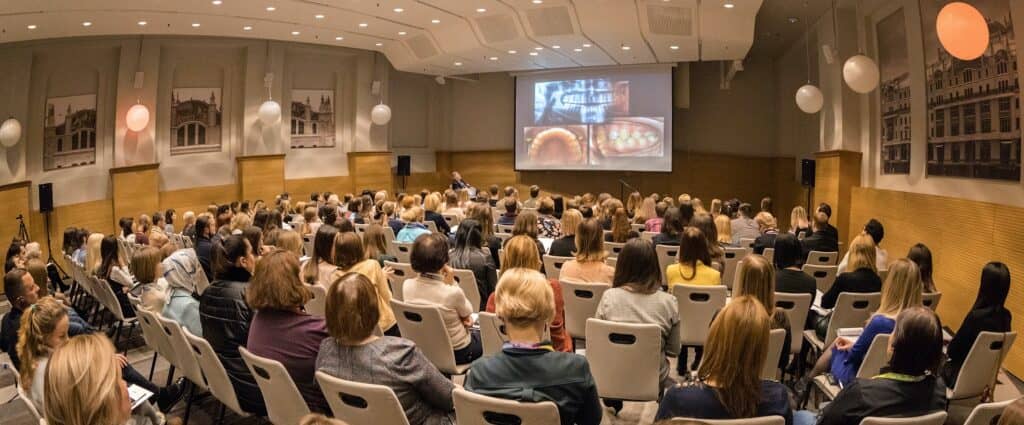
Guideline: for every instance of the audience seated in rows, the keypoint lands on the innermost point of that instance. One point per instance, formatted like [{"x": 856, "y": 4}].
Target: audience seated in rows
[
  {"x": 589, "y": 262},
  {"x": 349, "y": 256}
]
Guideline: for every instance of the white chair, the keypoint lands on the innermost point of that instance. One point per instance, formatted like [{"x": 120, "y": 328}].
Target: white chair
[
  {"x": 389, "y": 239},
  {"x": 732, "y": 258},
  {"x": 931, "y": 300},
  {"x": 776, "y": 339},
  {"x": 20, "y": 393},
  {"x": 105, "y": 295},
  {"x": 852, "y": 311},
  {"x": 819, "y": 258},
  {"x": 553, "y": 265},
  {"x": 638, "y": 227},
  {"x": 747, "y": 243},
  {"x": 666, "y": 257},
  {"x": 317, "y": 304},
  {"x": 614, "y": 248},
  {"x": 285, "y": 404},
  {"x": 477, "y": 409},
  {"x": 936, "y": 418},
  {"x": 762, "y": 420},
  {"x": 307, "y": 245},
  {"x": 796, "y": 307},
  {"x": 981, "y": 367},
  {"x": 504, "y": 228},
  {"x": 155, "y": 339},
  {"x": 870, "y": 366},
  {"x": 580, "y": 303},
  {"x": 503, "y": 236},
  {"x": 987, "y": 413},
  {"x": 697, "y": 306},
  {"x": 611, "y": 261},
  {"x": 824, "y": 276},
  {"x": 492, "y": 333},
  {"x": 359, "y": 403},
  {"x": 402, "y": 271},
  {"x": 769, "y": 254},
  {"x": 467, "y": 281},
  {"x": 431, "y": 226},
  {"x": 361, "y": 228},
  {"x": 186, "y": 360},
  {"x": 402, "y": 251},
  {"x": 216, "y": 377},
  {"x": 611, "y": 345},
  {"x": 423, "y": 325},
  {"x": 648, "y": 235},
  {"x": 451, "y": 219}
]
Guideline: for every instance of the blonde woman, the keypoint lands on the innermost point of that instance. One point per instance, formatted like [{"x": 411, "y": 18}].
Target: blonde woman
[
  {"x": 431, "y": 212},
  {"x": 862, "y": 277},
  {"x": 724, "y": 227},
  {"x": 729, "y": 384},
  {"x": 43, "y": 328},
  {"x": 310, "y": 221},
  {"x": 716, "y": 208},
  {"x": 414, "y": 227},
  {"x": 142, "y": 227},
  {"x": 189, "y": 227},
  {"x": 518, "y": 254},
  {"x": 589, "y": 265},
  {"x": 83, "y": 384},
  {"x": 239, "y": 223},
  {"x": 698, "y": 206},
  {"x": 287, "y": 240},
  {"x": 92, "y": 252},
  {"x": 566, "y": 245},
  {"x": 757, "y": 279},
  {"x": 349, "y": 256},
  {"x": 633, "y": 203},
  {"x": 645, "y": 211},
  {"x": 902, "y": 290},
  {"x": 798, "y": 223}
]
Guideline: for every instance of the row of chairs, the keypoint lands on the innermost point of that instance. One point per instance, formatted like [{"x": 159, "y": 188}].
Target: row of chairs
[{"x": 101, "y": 298}]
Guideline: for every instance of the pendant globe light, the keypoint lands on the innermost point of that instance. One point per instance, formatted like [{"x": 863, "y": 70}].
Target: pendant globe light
[
  {"x": 269, "y": 112},
  {"x": 380, "y": 114},
  {"x": 809, "y": 97},
  {"x": 10, "y": 132},
  {"x": 860, "y": 72},
  {"x": 962, "y": 31}
]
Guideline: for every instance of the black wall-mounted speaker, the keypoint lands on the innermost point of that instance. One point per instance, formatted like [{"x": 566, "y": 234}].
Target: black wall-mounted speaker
[
  {"x": 404, "y": 165},
  {"x": 807, "y": 172}
]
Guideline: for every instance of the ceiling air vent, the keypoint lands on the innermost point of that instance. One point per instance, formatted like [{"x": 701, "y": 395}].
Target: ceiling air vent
[
  {"x": 497, "y": 28},
  {"x": 549, "y": 21},
  {"x": 670, "y": 20},
  {"x": 421, "y": 46}
]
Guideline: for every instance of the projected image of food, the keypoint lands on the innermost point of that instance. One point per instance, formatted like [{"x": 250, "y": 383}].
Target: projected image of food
[
  {"x": 627, "y": 137},
  {"x": 560, "y": 145}
]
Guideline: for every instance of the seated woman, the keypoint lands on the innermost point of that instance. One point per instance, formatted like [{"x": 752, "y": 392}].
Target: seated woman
[
  {"x": 451, "y": 205},
  {"x": 414, "y": 227},
  {"x": 757, "y": 279},
  {"x": 589, "y": 265},
  {"x": 277, "y": 295},
  {"x": 716, "y": 251},
  {"x": 729, "y": 384},
  {"x": 910, "y": 385},
  {"x": 902, "y": 290},
  {"x": 436, "y": 286},
  {"x": 287, "y": 240},
  {"x": 483, "y": 214},
  {"x": 431, "y": 208},
  {"x": 693, "y": 262},
  {"x": 511, "y": 211},
  {"x": 526, "y": 225},
  {"x": 653, "y": 224},
  {"x": 146, "y": 267},
  {"x": 987, "y": 315},
  {"x": 547, "y": 225},
  {"x": 349, "y": 256},
  {"x": 115, "y": 273},
  {"x": 528, "y": 369},
  {"x": 863, "y": 278},
  {"x": 142, "y": 230},
  {"x": 636, "y": 297},
  {"x": 518, "y": 254},
  {"x": 645, "y": 211},
  {"x": 83, "y": 385},
  {"x": 724, "y": 227},
  {"x": 565, "y": 246},
  {"x": 376, "y": 244},
  {"x": 469, "y": 254},
  {"x": 788, "y": 276},
  {"x": 671, "y": 228},
  {"x": 181, "y": 270},
  {"x": 922, "y": 256},
  {"x": 226, "y": 317},
  {"x": 768, "y": 227},
  {"x": 354, "y": 352},
  {"x": 621, "y": 230},
  {"x": 320, "y": 266}
]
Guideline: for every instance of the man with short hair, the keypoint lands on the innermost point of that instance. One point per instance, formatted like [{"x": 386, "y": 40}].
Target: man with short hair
[
  {"x": 493, "y": 190},
  {"x": 744, "y": 226},
  {"x": 22, "y": 292},
  {"x": 829, "y": 228},
  {"x": 511, "y": 212},
  {"x": 534, "y": 194},
  {"x": 821, "y": 240},
  {"x": 459, "y": 183}
]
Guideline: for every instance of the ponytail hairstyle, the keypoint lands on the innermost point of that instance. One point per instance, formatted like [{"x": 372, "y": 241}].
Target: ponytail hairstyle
[
  {"x": 37, "y": 323},
  {"x": 227, "y": 253}
]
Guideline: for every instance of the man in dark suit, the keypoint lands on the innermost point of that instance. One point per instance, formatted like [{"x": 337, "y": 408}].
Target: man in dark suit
[
  {"x": 459, "y": 183},
  {"x": 829, "y": 228},
  {"x": 822, "y": 239}
]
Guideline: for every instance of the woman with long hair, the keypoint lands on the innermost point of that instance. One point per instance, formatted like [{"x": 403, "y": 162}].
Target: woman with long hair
[
  {"x": 375, "y": 243},
  {"x": 729, "y": 384},
  {"x": 646, "y": 211},
  {"x": 565, "y": 246},
  {"x": 519, "y": 255},
  {"x": 987, "y": 315},
  {"x": 716, "y": 208},
  {"x": 863, "y": 278},
  {"x": 483, "y": 214},
  {"x": 706, "y": 225},
  {"x": 724, "y": 227},
  {"x": 116, "y": 273},
  {"x": 526, "y": 225},
  {"x": 757, "y": 279},
  {"x": 622, "y": 231},
  {"x": 671, "y": 228},
  {"x": 320, "y": 266},
  {"x": 633, "y": 203},
  {"x": 469, "y": 254},
  {"x": 798, "y": 222},
  {"x": 349, "y": 256},
  {"x": 693, "y": 262},
  {"x": 83, "y": 385},
  {"x": 589, "y": 264},
  {"x": 922, "y": 256}
]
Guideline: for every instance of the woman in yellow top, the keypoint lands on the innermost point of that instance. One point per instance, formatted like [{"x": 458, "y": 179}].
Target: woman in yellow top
[
  {"x": 350, "y": 256},
  {"x": 692, "y": 266}
]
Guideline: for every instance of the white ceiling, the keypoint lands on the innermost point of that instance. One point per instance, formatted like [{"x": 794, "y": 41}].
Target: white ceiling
[{"x": 438, "y": 37}]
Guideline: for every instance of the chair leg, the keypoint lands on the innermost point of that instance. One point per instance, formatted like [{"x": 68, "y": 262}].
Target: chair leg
[
  {"x": 220, "y": 419},
  {"x": 188, "y": 405},
  {"x": 152, "y": 367},
  {"x": 117, "y": 335},
  {"x": 170, "y": 376}
]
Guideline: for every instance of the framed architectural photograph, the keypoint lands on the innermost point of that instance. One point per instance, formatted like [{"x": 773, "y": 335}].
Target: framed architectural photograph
[
  {"x": 894, "y": 93},
  {"x": 195, "y": 120},
  {"x": 312, "y": 122},
  {"x": 69, "y": 132},
  {"x": 973, "y": 106}
]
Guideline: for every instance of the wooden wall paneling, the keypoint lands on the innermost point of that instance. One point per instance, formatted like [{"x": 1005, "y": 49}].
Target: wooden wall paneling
[
  {"x": 837, "y": 172},
  {"x": 260, "y": 177},
  {"x": 300, "y": 189},
  {"x": 197, "y": 199},
  {"x": 371, "y": 170},
  {"x": 96, "y": 216},
  {"x": 15, "y": 200},
  {"x": 136, "y": 190},
  {"x": 417, "y": 181}
]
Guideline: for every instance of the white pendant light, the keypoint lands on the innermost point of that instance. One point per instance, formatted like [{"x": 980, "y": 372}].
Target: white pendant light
[
  {"x": 861, "y": 74},
  {"x": 10, "y": 132},
  {"x": 380, "y": 114},
  {"x": 810, "y": 99},
  {"x": 137, "y": 117},
  {"x": 270, "y": 112}
]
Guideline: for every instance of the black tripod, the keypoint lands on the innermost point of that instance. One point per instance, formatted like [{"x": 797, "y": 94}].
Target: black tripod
[
  {"x": 49, "y": 247},
  {"x": 22, "y": 230}
]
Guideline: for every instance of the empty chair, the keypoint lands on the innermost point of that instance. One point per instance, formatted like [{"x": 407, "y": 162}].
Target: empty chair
[
  {"x": 402, "y": 250},
  {"x": 402, "y": 271},
  {"x": 553, "y": 265},
  {"x": 318, "y": 300},
  {"x": 852, "y": 311},
  {"x": 819, "y": 258},
  {"x": 981, "y": 367},
  {"x": 796, "y": 307},
  {"x": 871, "y": 366},
  {"x": 285, "y": 404},
  {"x": 216, "y": 377},
  {"x": 467, "y": 281},
  {"x": 697, "y": 306},
  {"x": 611, "y": 345},
  {"x": 937, "y": 418},
  {"x": 666, "y": 257},
  {"x": 776, "y": 339},
  {"x": 986, "y": 413},
  {"x": 931, "y": 300},
  {"x": 359, "y": 403},
  {"x": 732, "y": 258},
  {"x": 477, "y": 409},
  {"x": 824, "y": 275},
  {"x": 581, "y": 301},
  {"x": 423, "y": 325},
  {"x": 492, "y": 333}
]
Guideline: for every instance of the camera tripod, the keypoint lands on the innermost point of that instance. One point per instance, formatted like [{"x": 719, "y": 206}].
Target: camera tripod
[{"x": 22, "y": 230}]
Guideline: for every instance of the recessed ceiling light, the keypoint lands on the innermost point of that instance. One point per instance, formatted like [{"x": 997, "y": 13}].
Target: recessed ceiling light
[
  {"x": 142, "y": 23},
  {"x": 458, "y": 63},
  {"x": 728, "y": 5},
  {"x": 195, "y": 25},
  {"x": 511, "y": 52},
  {"x": 271, "y": 8},
  {"x": 31, "y": 27},
  {"x": 296, "y": 33},
  {"x": 247, "y": 28},
  {"x": 481, "y": 10},
  {"x": 363, "y": 25},
  {"x": 402, "y": 33},
  {"x": 586, "y": 44},
  {"x": 793, "y": 19},
  {"x": 435, "y": 21},
  {"x": 577, "y": 49},
  {"x": 319, "y": 16},
  {"x": 217, "y": 2},
  {"x": 673, "y": 47},
  {"x": 86, "y": 24},
  {"x": 538, "y": 48},
  {"x": 379, "y": 44},
  {"x": 339, "y": 38},
  {"x": 556, "y": 47},
  {"x": 538, "y": 1},
  {"x": 493, "y": 58},
  {"x": 533, "y": 53},
  {"x": 626, "y": 47},
  {"x": 398, "y": 10}
]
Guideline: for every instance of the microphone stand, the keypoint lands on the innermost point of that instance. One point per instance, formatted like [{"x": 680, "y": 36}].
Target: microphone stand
[{"x": 622, "y": 189}]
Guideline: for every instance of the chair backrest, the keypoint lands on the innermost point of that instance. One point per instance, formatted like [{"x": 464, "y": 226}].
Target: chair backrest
[
  {"x": 553, "y": 265},
  {"x": 776, "y": 339},
  {"x": 936, "y": 418},
  {"x": 451, "y": 219},
  {"x": 105, "y": 295},
  {"x": 505, "y": 228},
  {"x": 697, "y": 306},
  {"x": 467, "y": 281},
  {"x": 503, "y": 236},
  {"x": 931, "y": 300},
  {"x": 747, "y": 242},
  {"x": 648, "y": 235},
  {"x": 402, "y": 251},
  {"x": 876, "y": 357},
  {"x": 187, "y": 362},
  {"x": 762, "y": 420},
  {"x": 430, "y": 225},
  {"x": 611, "y": 261},
  {"x": 581, "y": 300},
  {"x": 824, "y": 276},
  {"x": 307, "y": 245},
  {"x": 638, "y": 227},
  {"x": 666, "y": 257},
  {"x": 359, "y": 403},
  {"x": 402, "y": 271},
  {"x": 155, "y": 337},
  {"x": 389, "y": 239},
  {"x": 610, "y": 345},
  {"x": 492, "y": 333},
  {"x": 796, "y": 307},
  {"x": 982, "y": 364},
  {"x": 732, "y": 258},
  {"x": 361, "y": 228},
  {"x": 20, "y": 392},
  {"x": 819, "y": 258},
  {"x": 216, "y": 377},
  {"x": 852, "y": 311},
  {"x": 477, "y": 409},
  {"x": 423, "y": 325},
  {"x": 769, "y": 254},
  {"x": 285, "y": 404},
  {"x": 987, "y": 413},
  {"x": 317, "y": 305},
  {"x": 614, "y": 248}
]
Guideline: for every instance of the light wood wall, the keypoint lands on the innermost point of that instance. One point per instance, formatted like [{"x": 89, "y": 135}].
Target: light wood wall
[
  {"x": 963, "y": 236},
  {"x": 136, "y": 190},
  {"x": 260, "y": 176}
]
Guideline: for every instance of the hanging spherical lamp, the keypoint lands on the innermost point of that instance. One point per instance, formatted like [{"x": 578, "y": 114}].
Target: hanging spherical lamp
[
  {"x": 380, "y": 114},
  {"x": 861, "y": 74},
  {"x": 137, "y": 117},
  {"x": 962, "y": 30},
  {"x": 269, "y": 112},
  {"x": 809, "y": 99},
  {"x": 10, "y": 132}
]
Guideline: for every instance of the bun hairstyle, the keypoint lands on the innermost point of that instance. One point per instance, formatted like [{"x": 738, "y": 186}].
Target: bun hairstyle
[{"x": 227, "y": 253}]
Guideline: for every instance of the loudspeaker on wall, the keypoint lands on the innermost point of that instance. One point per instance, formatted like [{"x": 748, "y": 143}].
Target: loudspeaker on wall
[
  {"x": 404, "y": 165},
  {"x": 807, "y": 172},
  {"x": 46, "y": 197}
]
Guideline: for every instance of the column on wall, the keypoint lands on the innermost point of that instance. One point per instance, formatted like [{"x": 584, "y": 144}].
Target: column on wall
[
  {"x": 836, "y": 174},
  {"x": 136, "y": 190}
]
